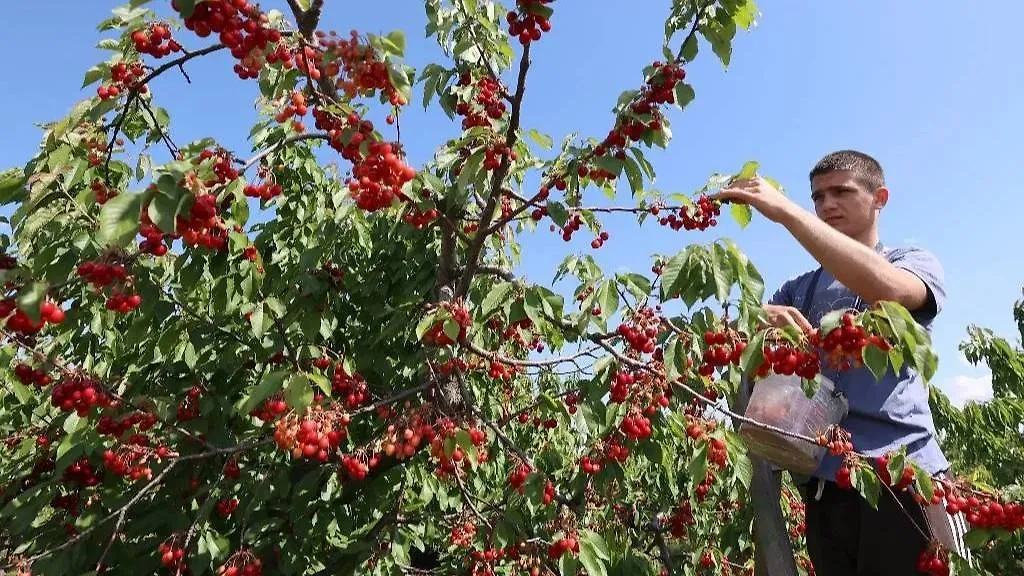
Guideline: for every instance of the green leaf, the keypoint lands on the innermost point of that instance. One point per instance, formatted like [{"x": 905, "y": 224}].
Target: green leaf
[
  {"x": 977, "y": 537},
  {"x": 495, "y": 299},
  {"x": 895, "y": 466},
  {"x": 753, "y": 354},
  {"x": 559, "y": 215},
  {"x": 684, "y": 94},
  {"x": 256, "y": 319},
  {"x": 876, "y": 360},
  {"x": 831, "y": 321},
  {"x": 298, "y": 393},
  {"x": 95, "y": 73},
  {"x": 721, "y": 271},
  {"x": 608, "y": 299},
  {"x": 672, "y": 274},
  {"x": 923, "y": 481},
  {"x": 119, "y": 219},
  {"x": 426, "y": 323},
  {"x": 268, "y": 386},
  {"x": 743, "y": 468},
  {"x": 637, "y": 284},
  {"x": 633, "y": 175},
  {"x": 866, "y": 482},
  {"x": 187, "y": 7},
  {"x": 168, "y": 202},
  {"x": 397, "y": 40},
  {"x": 469, "y": 171},
  {"x": 30, "y": 300},
  {"x": 698, "y": 467},
  {"x": 542, "y": 140},
  {"x": 748, "y": 171},
  {"x": 451, "y": 328},
  {"x": 593, "y": 553},
  {"x": 22, "y": 393},
  {"x": 675, "y": 359},
  {"x": 321, "y": 382},
  {"x": 567, "y": 564},
  {"x": 741, "y": 213}
]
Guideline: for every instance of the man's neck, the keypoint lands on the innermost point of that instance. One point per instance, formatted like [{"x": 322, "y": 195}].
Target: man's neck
[{"x": 869, "y": 238}]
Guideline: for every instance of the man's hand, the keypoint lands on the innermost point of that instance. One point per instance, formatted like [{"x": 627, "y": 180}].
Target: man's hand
[
  {"x": 782, "y": 316},
  {"x": 759, "y": 194}
]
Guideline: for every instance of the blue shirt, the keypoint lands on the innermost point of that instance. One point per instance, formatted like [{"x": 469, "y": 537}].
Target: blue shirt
[{"x": 894, "y": 411}]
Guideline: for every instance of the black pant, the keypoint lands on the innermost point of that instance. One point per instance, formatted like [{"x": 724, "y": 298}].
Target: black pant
[{"x": 847, "y": 537}]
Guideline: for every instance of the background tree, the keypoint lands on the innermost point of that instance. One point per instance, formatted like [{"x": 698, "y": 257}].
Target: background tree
[
  {"x": 985, "y": 440},
  {"x": 291, "y": 362}
]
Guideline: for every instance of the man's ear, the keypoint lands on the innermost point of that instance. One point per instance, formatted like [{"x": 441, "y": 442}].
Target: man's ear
[{"x": 881, "y": 197}]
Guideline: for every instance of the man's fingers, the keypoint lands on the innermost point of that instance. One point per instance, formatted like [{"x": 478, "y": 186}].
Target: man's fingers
[
  {"x": 797, "y": 319},
  {"x": 733, "y": 194}
]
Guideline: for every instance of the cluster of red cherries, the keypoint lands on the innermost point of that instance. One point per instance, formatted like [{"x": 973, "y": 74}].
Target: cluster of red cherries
[
  {"x": 240, "y": 26},
  {"x": 659, "y": 89},
  {"x": 517, "y": 478},
  {"x": 315, "y": 435},
  {"x": 436, "y": 336},
  {"x": 524, "y": 24},
  {"x": 559, "y": 547},
  {"x": 30, "y": 376},
  {"x": 155, "y": 40},
  {"x": 79, "y": 393},
  {"x": 485, "y": 107},
  {"x": 458, "y": 460},
  {"x": 20, "y": 322},
  {"x": 703, "y": 214},
  {"x": 103, "y": 193},
  {"x": 364, "y": 72},
  {"x": 241, "y": 563},
  {"x": 123, "y": 77},
  {"x": 113, "y": 279},
  {"x": 722, "y": 348},
  {"x": 403, "y": 439},
  {"x": 172, "y": 553},
  {"x": 642, "y": 329}
]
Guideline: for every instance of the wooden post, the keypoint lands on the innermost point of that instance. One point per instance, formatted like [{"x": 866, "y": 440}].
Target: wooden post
[{"x": 773, "y": 549}]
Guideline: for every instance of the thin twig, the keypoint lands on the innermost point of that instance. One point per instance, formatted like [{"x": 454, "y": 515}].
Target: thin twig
[
  {"x": 142, "y": 492},
  {"x": 134, "y": 94},
  {"x": 498, "y": 177},
  {"x": 465, "y": 343},
  {"x": 278, "y": 145}
]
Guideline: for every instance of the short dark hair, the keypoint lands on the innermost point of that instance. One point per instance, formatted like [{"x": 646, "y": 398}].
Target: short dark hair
[{"x": 866, "y": 170}]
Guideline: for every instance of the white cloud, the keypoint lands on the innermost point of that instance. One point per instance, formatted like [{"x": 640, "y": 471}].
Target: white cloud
[{"x": 963, "y": 388}]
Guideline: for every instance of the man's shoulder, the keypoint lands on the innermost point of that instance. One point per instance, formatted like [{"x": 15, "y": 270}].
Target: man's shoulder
[
  {"x": 916, "y": 258},
  {"x": 800, "y": 279},
  {"x": 912, "y": 250}
]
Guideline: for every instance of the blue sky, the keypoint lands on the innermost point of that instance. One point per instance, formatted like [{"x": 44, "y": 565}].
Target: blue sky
[{"x": 933, "y": 93}]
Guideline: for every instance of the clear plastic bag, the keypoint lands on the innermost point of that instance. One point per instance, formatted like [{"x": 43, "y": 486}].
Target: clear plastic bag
[{"x": 780, "y": 401}]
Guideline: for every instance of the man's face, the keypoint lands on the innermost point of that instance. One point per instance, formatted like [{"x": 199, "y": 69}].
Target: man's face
[{"x": 844, "y": 203}]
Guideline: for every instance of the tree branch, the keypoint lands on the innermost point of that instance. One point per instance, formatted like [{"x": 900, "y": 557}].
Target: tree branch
[
  {"x": 278, "y": 145},
  {"x": 465, "y": 343},
  {"x": 122, "y": 511},
  {"x": 134, "y": 94},
  {"x": 503, "y": 273},
  {"x": 473, "y": 253}
]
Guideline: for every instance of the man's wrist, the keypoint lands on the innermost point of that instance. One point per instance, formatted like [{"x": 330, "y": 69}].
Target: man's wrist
[{"x": 793, "y": 214}]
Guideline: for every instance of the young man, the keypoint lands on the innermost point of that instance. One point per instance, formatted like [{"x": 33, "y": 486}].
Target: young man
[{"x": 845, "y": 535}]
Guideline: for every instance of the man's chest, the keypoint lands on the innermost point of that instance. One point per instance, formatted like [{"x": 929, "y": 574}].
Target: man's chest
[{"x": 816, "y": 299}]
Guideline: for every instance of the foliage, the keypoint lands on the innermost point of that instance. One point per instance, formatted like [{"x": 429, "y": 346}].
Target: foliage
[
  {"x": 985, "y": 441},
  {"x": 226, "y": 364}
]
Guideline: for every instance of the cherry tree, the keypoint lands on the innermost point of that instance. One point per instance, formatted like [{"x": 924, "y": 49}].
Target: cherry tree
[{"x": 237, "y": 361}]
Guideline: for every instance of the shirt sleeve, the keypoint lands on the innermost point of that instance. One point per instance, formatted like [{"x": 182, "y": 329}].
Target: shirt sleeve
[
  {"x": 927, "y": 267},
  {"x": 784, "y": 295}
]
